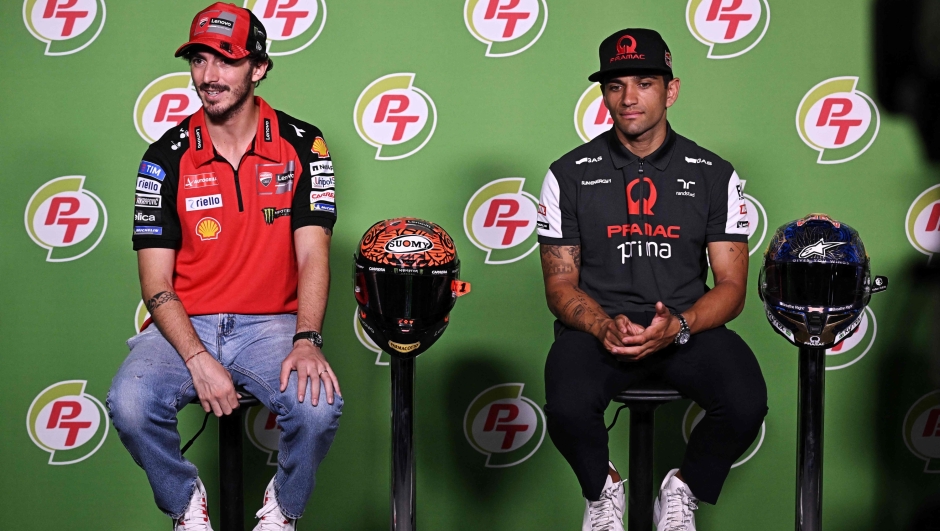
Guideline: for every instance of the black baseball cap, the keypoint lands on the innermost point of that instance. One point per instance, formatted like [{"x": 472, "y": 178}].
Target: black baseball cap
[{"x": 631, "y": 50}]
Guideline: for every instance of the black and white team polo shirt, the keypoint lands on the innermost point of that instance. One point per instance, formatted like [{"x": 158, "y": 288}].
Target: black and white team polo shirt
[{"x": 642, "y": 223}]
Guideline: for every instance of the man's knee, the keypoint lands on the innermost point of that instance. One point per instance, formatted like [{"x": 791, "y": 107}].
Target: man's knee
[
  {"x": 304, "y": 415},
  {"x": 129, "y": 402}
]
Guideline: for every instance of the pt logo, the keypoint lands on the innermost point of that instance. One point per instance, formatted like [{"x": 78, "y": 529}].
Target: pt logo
[
  {"x": 66, "y": 219},
  {"x": 500, "y": 219},
  {"x": 591, "y": 116},
  {"x": 381, "y": 358},
  {"x": 66, "y": 422},
  {"x": 922, "y": 431},
  {"x": 66, "y": 26},
  {"x": 728, "y": 27},
  {"x": 395, "y": 116},
  {"x": 140, "y": 317},
  {"x": 504, "y": 426},
  {"x": 163, "y": 104},
  {"x": 923, "y": 222},
  {"x": 292, "y": 24},
  {"x": 853, "y": 348},
  {"x": 263, "y": 431},
  {"x": 506, "y": 27},
  {"x": 837, "y": 120},
  {"x": 694, "y": 414}
]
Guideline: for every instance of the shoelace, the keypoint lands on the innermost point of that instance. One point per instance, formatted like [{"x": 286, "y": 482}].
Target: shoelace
[
  {"x": 196, "y": 517},
  {"x": 679, "y": 507},
  {"x": 601, "y": 512},
  {"x": 272, "y": 519}
]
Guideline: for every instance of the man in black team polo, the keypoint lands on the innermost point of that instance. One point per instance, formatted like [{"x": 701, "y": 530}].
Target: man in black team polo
[{"x": 624, "y": 225}]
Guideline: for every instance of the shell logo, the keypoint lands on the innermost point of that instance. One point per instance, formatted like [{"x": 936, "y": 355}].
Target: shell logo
[
  {"x": 923, "y": 222},
  {"x": 837, "y": 120},
  {"x": 591, "y": 117},
  {"x": 208, "y": 229},
  {"x": 921, "y": 431},
  {"x": 506, "y": 27},
  {"x": 292, "y": 25},
  {"x": 66, "y": 219},
  {"x": 395, "y": 116},
  {"x": 163, "y": 104},
  {"x": 66, "y": 26},
  {"x": 319, "y": 147},
  {"x": 500, "y": 219},
  {"x": 694, "y": 414},
  {"x": 728, "y": 27}
]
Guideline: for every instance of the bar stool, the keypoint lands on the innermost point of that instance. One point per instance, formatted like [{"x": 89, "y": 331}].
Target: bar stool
[{"x": 643, "y": 399}]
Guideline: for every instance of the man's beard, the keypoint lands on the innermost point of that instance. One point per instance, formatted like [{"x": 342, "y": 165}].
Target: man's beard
[{"x": 240, "y": 93}]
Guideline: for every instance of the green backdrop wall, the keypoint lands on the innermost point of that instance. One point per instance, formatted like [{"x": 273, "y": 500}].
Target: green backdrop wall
[{"x": 500, "y": 91}]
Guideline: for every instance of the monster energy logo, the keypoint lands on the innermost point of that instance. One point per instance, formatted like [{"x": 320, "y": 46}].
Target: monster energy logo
[{"x": 270, "y": 213}]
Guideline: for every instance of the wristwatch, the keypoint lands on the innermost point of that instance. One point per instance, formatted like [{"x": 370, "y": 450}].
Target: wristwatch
[
  {"x": 684, "y": 331},
  {"x": 312, "y": 335}
]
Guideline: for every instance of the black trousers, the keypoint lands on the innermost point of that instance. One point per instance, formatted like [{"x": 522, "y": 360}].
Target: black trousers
[{"x": 715, "y": 368}]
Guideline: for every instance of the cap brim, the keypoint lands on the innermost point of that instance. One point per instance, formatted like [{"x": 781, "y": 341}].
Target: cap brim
[
  {"x": 215, "y": 44},
  {"x": 600, "y": 75}
]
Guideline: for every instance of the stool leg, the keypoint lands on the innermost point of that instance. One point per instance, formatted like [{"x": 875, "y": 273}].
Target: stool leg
[
  {"x": 231, "y": 491},
  {"x": 640, "y": 511}
]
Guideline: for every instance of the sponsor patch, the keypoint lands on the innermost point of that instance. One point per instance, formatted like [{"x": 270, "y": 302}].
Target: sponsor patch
[
  {"x": 324, "y": 167},
  {"x": 203, "y": 202},
  {"x": 152, "y": 231},
  {"x": 404, "y": 347},
  {"x": 589, "y": 160},
  {"x": 407, "y": 244},
  {"x": 322, "y": 181},
  {"x": 200, "y": 180},
  {"x": 267, "y": 130},
  {"x": 698, "y": 161},
  {"x": 145, "y": 217},
  {"x": 319, "y": 147},
  {"x": 542, "y": 225},
  {"x": 198, "y": 134},
  {"x": 326, "y": 196},
  {"x": 595, "y": 181},
  {"x": 208, "y": 229},
  {"x": 323, "y": 207},
  {"x": 743, "y": 224},
  {"x": 148, "y": 185},
  {"x": 271, "y": 213},
  {"x": 151, "y": 170},
  {"x": 148, "y": 201}
]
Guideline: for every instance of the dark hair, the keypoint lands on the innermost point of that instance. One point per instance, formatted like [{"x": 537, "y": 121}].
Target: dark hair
[{"x": 256, "y": 59}]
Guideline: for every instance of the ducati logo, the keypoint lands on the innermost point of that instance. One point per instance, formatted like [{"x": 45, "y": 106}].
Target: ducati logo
[
  {"x": 292, "y": 24},
  {"x": 591, "y": 116},
  {"x": 66, "y": 219},
  {"x": 506, "y": 27},
  {"x": 500, "y": 219},
  {"x": 504, "y": 426},
  {"x": 67, "y": 422},
  {"x": 694, "y": 414},
  {"x": 728, "y": 27},
  {"x": 66, "y": 26},
  {"x": 853, "y": 348},
  {"x": 395, "y": 116},
  {"x": 263, "y": 431},
  {"x": 163, "y": 104},
  {"x": 923, "y": 222},
  {"x": 922, "y": 431},
  {"x": 837, "y": 120},
  {"x": 381, "y": 358}
]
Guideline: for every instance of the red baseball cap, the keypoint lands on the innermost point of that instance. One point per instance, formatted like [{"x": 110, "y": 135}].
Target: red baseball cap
[{"x": 233, "y": 31}]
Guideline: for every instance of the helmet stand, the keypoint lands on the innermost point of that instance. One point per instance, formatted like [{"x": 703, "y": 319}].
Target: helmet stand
[
  {"x": 809, "y": 438},
  {"x": 403, "y": 448}
]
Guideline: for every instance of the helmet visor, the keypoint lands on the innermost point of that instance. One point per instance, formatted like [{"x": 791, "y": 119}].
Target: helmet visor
[
  {"x": 815, "y": 284},
  {"x": 421, "y": 298}
]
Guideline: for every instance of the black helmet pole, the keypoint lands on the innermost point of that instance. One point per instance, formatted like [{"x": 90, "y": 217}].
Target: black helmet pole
[
  {"x": 809, "y": 439},
  {"x": 403, "y": 448}
]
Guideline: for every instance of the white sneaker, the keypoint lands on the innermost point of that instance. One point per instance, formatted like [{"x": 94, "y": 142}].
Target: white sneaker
[
  {"x": 196, "y": 517},
  {"x": 605, "y": 514},
  {"x": 271, "y": 518},
  {"x": 672, "y": 510}
]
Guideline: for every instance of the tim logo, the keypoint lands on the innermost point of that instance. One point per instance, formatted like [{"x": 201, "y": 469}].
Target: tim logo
[
  {"x": 163, "y": 104},
  {"x": 381, "y": 357},
  {"x": 292, "y": 24},
  {"x": 66, "y": 26},
  {"x": 395, "y": 116},
  {"x": 66, "y": 422},
  {"x": 66, "y": 219},
  {"x": 923, "y": 222},
  {"x": 591, "y": 116},
  {"x": 922, "y": 431},
  {"x": 854, "y": 347},
  {"x": 263, "y": 431},
  {"x": 837, "y": 120},
  {"x": 506, "y": 27},
  {"x": 694, "y": 414},
  {"x": 642, "y": 197},
  {"x": 500, "y": 219},
  {"x": 504, "y": 426},
  {"x": 728, "y": 27}
]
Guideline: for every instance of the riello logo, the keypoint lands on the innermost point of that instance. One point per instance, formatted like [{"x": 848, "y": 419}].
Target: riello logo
[
  {"x": 504, "y": 426},
  {"x": 728, "y": 27},
  {"x": 837, "y": 120},
  {"x": 66, "y": 26},
  {"x": 922, "y": 431},
  {"x": 500, "y": 219},
  {"x": 163, "y": 104},
  {"x": 591, "y": 116},
  {"x": 506, "y": 27},
  {"x": 381, "y": 357},
  {"x": 395, "y": 116},
  {"x": 292, "y": 25},
  {"x": 694, "y": 414},
  {"x": 263, "y": 431},
  {"x": 852, "y": 349},
  {"x": 67, "y": 422},
  {"x": 65, "y": 219},
  {"x": 923, "y": 222}
]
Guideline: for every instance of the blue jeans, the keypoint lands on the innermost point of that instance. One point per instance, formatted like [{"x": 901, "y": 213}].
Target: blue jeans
[{"x": 153, "y": 384}]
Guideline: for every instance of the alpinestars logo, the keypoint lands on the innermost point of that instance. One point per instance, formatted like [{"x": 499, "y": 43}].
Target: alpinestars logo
[
  {"x": 837, "y": 120},
  {"x": 506, "y": 27},
  {"x": 67, "y": 422},
  {"x": 500, "y": 219},
  {"x": 66, "y": 219},
  {"x": 504, "y": 426},
  {"x": 292, "y": 24},
  {"x": 819, "y": 249},
  {"x": 854, "y": 347},
  {"x": 922, "y": 431},
  {"x": 66, "y": 26},
  {"x": 263, "y": 431},
  {"x": 694, "y": 414},
  {"x": 591, "y": 117},
  {"x": 381, "y": 357},
  {"x": 395, "y": 116},
  {"x": 163, "y": 104},
  {"x": 728, "y": 27},
  {"x": 923, "y": 222}
]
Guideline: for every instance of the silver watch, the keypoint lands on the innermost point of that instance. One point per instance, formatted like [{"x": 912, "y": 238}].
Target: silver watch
[{"x": 684, "y": 331}]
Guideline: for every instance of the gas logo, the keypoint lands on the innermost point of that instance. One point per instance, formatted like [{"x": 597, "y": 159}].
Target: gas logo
[
  {"x": 506, "y": 27},
  {"x": 922, "y": 431},
  {"x": 500, "y": 219},
  {"x": 504, "y": 426},
  {"x": 263, "y": 431},
  {"x": 728, "y": 27},
  {"x": 140, "y": 317},
  {"x": 923, "y": 222},
  {"x": 694, "y": 414},
  {"x": 163, "y": 104},
  {"x": 853, "y": 348},
  {"x": 292, "y": 25},
  {"x": 66, "y": 422},
  {"x": 395, "y": 116},
  {"x": 837, "y": 120},
  {"x": 591, "y": 116},
  {"x": 66, "y": 26},
  {"x": 381, "y": 357},
  {"x": 66, "y": 219}
]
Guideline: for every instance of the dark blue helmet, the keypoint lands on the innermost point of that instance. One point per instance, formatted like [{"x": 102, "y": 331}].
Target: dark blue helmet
[{"x": 815, "y": 281}]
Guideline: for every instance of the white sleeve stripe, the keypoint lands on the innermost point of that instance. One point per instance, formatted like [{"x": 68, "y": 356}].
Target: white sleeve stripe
[
  {"x": 549, "y": 219},
  {"x": 737, "y": 215}
]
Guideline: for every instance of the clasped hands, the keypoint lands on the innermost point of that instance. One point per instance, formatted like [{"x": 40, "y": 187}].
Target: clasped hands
[{"x": 632, "y": 342}]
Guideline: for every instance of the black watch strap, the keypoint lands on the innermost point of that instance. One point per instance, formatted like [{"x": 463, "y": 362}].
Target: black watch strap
[{"x": 312, "y": 335}]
